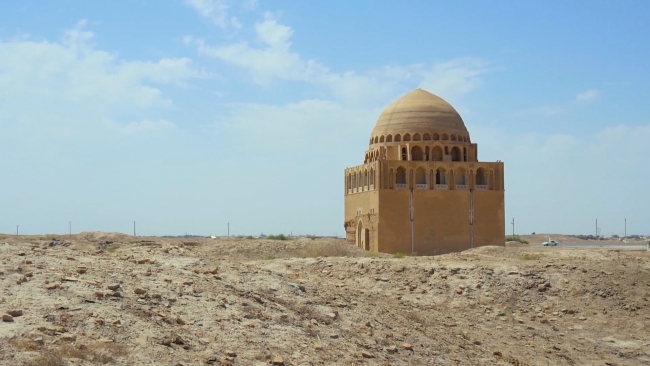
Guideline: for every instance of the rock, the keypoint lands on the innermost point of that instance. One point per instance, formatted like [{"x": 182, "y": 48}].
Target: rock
[
  {"x": 7, "y": 318},
  {"x": 497, "y": 353},
  {"x": 582, "y": 318},
  {"x": 277, "y": 360},
  {"x": 71, "y": 279},
  {"x": 82, "y": 270},
  {"x": 541, "y": 288},
  {"x": 140, "y": 291},
  {"x": 231, "y": 353},
  {"x": 114, "y": 286},
  {"x": 51, "y": 286},
  {"x": 459, "y": 291},
  {"x": 15, "y": 313},
  {"x": 391, "y": 349},
  {"x": 407, "y": 346},
  {"x": 365, "y": 354},
  {"x": 68, "y": 337}
]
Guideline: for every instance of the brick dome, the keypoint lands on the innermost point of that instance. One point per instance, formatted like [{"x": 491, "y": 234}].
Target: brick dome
[{"x": 419, "y": 112}]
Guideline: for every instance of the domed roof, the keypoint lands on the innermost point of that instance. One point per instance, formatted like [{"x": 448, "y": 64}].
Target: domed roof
[{"x": 419, "y": 111}]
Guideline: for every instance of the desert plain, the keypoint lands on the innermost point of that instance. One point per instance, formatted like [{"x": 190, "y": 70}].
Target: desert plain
[{"x": 101, "y": 298}]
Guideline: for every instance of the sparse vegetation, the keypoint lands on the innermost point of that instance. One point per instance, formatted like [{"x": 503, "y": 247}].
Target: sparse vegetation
[
  {"x": 399, "y": 255},
  {"x": 278, "y": 237},
  {"x": 529, "y": 257},
  {"x": 372, "y": 254},
  {"x": 269, "y": 258},
  {"x": 517, "y": 239},
  {"x": 111, "y": 249},
  {"x": 249, "y": 237}
]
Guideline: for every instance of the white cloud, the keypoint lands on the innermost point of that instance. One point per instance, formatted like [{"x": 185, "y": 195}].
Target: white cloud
[
  {"x": 216, "y": 11},
  {"x": 69, "y": 87},
  {"x": 561, "y": 183},
  {"x": 147, "y": 127},
  {"x": 588, "y": 95},
  {"x": 274, "y": 59},
  {"x": 454, "y": 78}
]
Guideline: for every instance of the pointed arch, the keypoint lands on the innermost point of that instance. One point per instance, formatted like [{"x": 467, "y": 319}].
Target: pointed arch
[
  {"x": 400, "y": 177},
  {"x": 420, "y": 176},
  {"x": 436, "y": 136},
  {"x": 445, "y": 137},
  {"x": 436, "y": 153},
  {"x": 381, "y": 138},
  {"x": 389, "y": 138},
  {"x": 441, "y": 176},
  {"x": 416, "y": 137},
  {"x": 416, "y": 153},
  {"x": 426, "y": 137},
  {"x": 455, "y": 154},
  {"x": 407, "y": 137},
  {"x": 398, "y": 138}
]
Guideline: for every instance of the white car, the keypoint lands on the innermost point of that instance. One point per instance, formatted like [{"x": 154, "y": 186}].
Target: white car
[{"x": 550, "y": 243}]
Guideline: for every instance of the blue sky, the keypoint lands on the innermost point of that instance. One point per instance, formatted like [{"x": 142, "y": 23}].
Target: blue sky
[{"x": 184, "y": 115}]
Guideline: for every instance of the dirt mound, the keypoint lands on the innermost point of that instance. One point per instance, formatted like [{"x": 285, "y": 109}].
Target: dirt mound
[{"x": 101, "y": 236}]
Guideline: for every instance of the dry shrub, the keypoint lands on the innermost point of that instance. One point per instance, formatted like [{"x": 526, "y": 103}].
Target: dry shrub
[
  {"x": 97, "y": 353},
  {"x": 49, "y": 357},
  {"x": 26, "y": 345}
]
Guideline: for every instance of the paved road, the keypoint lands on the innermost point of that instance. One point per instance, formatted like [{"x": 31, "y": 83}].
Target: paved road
[{"x": 622, "y": 246}]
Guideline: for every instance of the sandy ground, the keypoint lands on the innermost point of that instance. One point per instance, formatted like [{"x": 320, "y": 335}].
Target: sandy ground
[{"x": 114, "y": 299}]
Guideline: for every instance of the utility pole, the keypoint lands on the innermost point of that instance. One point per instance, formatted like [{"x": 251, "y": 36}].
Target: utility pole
[
  {"x": 228, "y": 230},
  {"x": 513, "y": 226},
  {"x": 412, "y": 218},
  {"x": 133, "y": 228},
  {"x": 16, "y": 230},
  {"x": 471, "y": 218},
  {"x": 625, "y": 236},
  {"x": 596, "y": 228}
]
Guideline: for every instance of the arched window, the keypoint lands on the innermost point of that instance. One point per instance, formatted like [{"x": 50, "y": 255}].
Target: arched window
[
  {"x": 400, "y": 176},
  {"x": 416, "y": 137},
  {"x": 381, "y": 139},
  {"x": 416, "y": 153},
  {"x": 441, "y": 176},
  {"x": 445, "y": 136},
  {"x": 349, "y": 182},
  {"x": 376, "y": 139},
  {"x": 464, "y": 154},
  {"x": 436, "y": 136},
  {"x": 426, "y": 137},
  {"x": 420, "y": 176},
  {"x": 436, "y": 153},
  {"x": 404, "y": 155},
  {"x": 398, "y": 138},
  {"x": 407, "y": 137},
  {"x": 453, "y": 137},
  {"x": 372, "y": 178},
  {"x": 354, "y": 181},
  {"x": 359, "y": 180},
  {"x": 460, "y": 177},
  {"x": 365, "y": 178},
  {"x": 481, "y": 178},
  {"x": 389, "y": 138},
  {"x": 455, "y": 153}
]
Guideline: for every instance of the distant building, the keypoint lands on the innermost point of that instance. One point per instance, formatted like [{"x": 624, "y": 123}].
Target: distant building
[{"x": 420, "y": 181}]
